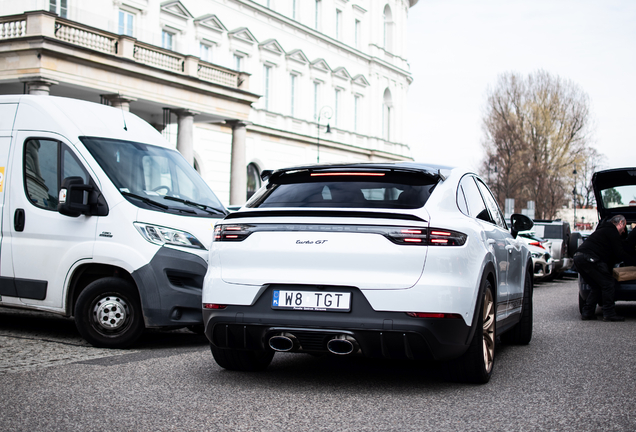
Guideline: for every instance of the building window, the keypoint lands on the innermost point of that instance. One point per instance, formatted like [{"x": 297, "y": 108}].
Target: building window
[
  {"x": 59, "y": 7},
  {"x": 316, "y": 98},
  {"x": 336, "y": 107},
  {"x": 292, "y": 89},
  {"x": 206, "y": 52},
  {"x": 253, "y": 179},
  {"x": 356, "y": 107},
  {"x": 238, "y": 62},
  {"x": 267, "y": 75},
  {"x": 387, "y": 107},
  {"x": 388, "y": 29},
  {"x": 167, "y": 40},
  {"x": 338, "y": 24},
  {"x": 125, "y": 25},
  {"x": 357, "y": 33}
]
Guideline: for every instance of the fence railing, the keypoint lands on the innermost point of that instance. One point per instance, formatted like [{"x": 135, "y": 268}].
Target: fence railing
[{"x": 43, "y": 23}]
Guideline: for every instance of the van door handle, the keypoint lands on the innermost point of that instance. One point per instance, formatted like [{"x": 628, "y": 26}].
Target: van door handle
[{"x": 18, "y": 220}]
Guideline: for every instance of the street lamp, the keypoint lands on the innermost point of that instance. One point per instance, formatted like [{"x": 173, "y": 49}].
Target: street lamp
[
  {"x": 325, "y": 112},
  {"x": 574, "y": 195}
]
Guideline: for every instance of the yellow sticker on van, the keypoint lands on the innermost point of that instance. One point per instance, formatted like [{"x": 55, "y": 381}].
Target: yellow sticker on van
[{"x": 1, "y": 179}]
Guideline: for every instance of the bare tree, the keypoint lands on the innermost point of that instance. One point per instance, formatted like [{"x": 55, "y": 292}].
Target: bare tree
[
  {"x": 536, "y": 130},
  {"x": 591, "y": 161}
]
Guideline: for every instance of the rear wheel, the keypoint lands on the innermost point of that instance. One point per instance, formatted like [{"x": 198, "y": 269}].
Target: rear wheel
[
  {"x": 521, "y": 333},
  {"x": 476, "y": 365},
  {"x": 242, "y": 360},
  {"x": 108, "y": 313}
]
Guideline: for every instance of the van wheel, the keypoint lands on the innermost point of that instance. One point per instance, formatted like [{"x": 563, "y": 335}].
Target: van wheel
[
  {"x": 476, "y": 365},
  {"x": 521, "y": 333},
  {"x": 242, "y": 360},
  {"x": 108, "y": 313}
]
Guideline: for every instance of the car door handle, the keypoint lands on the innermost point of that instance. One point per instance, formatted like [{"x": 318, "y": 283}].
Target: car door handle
[
  {"x": 491, "y": 241},
  {"x": 19, "y": 219}
]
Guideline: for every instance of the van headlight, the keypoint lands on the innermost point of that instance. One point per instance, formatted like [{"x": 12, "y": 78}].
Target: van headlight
[{"x": 161, "y": 236}]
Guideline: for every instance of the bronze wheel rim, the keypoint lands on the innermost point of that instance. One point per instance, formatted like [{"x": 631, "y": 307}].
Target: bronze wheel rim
[{"x": 488, "y": 331}]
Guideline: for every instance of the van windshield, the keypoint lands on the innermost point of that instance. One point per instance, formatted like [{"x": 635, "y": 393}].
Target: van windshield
[{"x": 154, "y": 178}]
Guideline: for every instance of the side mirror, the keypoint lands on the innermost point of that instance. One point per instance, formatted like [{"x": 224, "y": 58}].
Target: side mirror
[
  {"x": 76, "y": 198},
  {"x": 519, "y": 222},
  {"x": 73, "y": 197}
]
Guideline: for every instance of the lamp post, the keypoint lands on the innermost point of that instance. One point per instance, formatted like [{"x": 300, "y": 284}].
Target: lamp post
[
  {"x": 325, "y": 112},
  {"x": 574, "y": 196}
]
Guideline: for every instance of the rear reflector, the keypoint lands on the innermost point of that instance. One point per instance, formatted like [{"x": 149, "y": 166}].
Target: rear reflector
[{"x": 213, "y": 306}]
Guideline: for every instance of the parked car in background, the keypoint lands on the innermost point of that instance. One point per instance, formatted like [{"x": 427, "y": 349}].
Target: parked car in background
[
  {"x": 580, "y": 236},
  {"x": 390, "y": 260},
  {"x": 540, "y": 251},
  {"x": 564, "y": 243},
  {"x": 615, "y": 193}
]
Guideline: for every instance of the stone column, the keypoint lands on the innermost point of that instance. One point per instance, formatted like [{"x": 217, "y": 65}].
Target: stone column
[
  {"x": 185, "y": 133},
  {"x": 119, "y": 101},
  {"x": 38, "y": 85},
  {"x": 238, "y": 166}
]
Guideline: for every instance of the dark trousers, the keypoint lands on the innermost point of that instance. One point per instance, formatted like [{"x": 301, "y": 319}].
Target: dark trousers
[{"x": 598, "y": 276}]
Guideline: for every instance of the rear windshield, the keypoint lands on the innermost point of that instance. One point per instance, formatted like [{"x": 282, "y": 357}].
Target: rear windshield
[
  {"x": 620, "y": 196},
  {"x": 553, "y": 231},
  {"x": 346, "y": 190}
]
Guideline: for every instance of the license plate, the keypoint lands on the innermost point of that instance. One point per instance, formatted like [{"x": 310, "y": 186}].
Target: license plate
[{"x": 311, "y": 300}]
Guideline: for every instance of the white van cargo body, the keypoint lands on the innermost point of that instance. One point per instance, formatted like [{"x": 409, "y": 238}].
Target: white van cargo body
[{"x": 101, "y": 219}]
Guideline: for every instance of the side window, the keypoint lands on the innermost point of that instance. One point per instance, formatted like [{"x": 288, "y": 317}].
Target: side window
[
  {"x": 476, "y": 206},
  {"x": 493, "y": 207},
  {"x": 41, "y": 172},
  {"x": 44, "y": 171}
]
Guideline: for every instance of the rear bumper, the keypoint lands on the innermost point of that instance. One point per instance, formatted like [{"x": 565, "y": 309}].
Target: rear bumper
[
  {"x": 623, "y": 291},
  {"x": 378, "y": 334}
]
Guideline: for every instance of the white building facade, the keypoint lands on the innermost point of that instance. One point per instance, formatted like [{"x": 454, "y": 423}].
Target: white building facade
[{"x": 237, "y": 85}]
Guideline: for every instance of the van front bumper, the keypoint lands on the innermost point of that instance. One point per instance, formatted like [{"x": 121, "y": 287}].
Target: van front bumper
[{"x": 170, "y": 288}]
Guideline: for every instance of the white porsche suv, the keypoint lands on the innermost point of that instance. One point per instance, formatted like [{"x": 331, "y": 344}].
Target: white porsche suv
[{"x": 392, "y": 260}]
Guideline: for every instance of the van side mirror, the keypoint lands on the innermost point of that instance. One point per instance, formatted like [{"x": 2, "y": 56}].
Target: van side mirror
[
  {"x": 77, "y": 198},
  {"x": 519, "y": 222}
]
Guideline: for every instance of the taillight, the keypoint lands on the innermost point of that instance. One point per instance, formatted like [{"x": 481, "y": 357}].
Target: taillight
[
  {"x": 425, "y": 237},
  {"x": 433, "y": 315},
  {"x": 213, "y": 306},
  {"x": 231, "y": 233},
  {"x": 537, "y": 244}
]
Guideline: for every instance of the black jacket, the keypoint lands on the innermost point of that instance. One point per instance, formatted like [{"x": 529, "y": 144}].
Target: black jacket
[{"x": 607, "y": 244}]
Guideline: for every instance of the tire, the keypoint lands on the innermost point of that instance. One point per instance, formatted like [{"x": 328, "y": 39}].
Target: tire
[
  {"x": 242, "y": 360},
  {"x": 573, "y": 243},
  {"x": 108, "y": 313},
  {"x": 476, "y": 365},
  {"x": 521, "y": 333}
]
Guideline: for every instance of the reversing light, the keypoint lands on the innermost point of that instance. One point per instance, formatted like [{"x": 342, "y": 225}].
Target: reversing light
[
  {"x": 213, "y": 306},
  {"x": 433, "y": 315}
]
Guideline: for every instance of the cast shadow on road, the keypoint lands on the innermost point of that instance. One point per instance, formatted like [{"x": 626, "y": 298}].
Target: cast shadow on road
[{"x": 54, "y": 328}]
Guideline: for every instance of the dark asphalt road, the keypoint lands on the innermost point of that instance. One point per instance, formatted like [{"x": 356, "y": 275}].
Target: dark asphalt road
[{"x": 574, "y": 376}]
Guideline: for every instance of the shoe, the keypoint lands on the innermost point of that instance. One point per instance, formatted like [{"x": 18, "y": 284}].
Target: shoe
[
  {"x": 588, "y": 317},
  {"x": 614, "y": 318}
]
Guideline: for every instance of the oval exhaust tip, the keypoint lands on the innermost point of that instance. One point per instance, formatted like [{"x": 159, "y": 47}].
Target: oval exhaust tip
[
  {"x": 281, "y": 343},
  {"x": 341, "y": 345}
]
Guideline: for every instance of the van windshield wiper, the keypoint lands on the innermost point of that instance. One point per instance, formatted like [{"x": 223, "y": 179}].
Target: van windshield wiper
[
  {"x": 203, "y": 207},
  {"x": 145, "y": 199}
]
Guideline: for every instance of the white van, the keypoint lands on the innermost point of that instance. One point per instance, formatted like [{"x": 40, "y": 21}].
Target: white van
[{"x": 101, "y": 219}]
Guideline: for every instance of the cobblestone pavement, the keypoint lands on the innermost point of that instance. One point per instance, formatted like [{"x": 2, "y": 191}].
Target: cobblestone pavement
[{"x": 33, "y": 340}]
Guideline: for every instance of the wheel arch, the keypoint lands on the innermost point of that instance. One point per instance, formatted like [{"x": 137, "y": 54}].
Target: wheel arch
[
  {"x": 88, "y": 273},
  {"x": 488, "y": 275}
]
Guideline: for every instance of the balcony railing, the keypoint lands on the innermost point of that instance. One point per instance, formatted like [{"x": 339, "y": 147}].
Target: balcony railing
[{"x": 43, "y": 23}]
